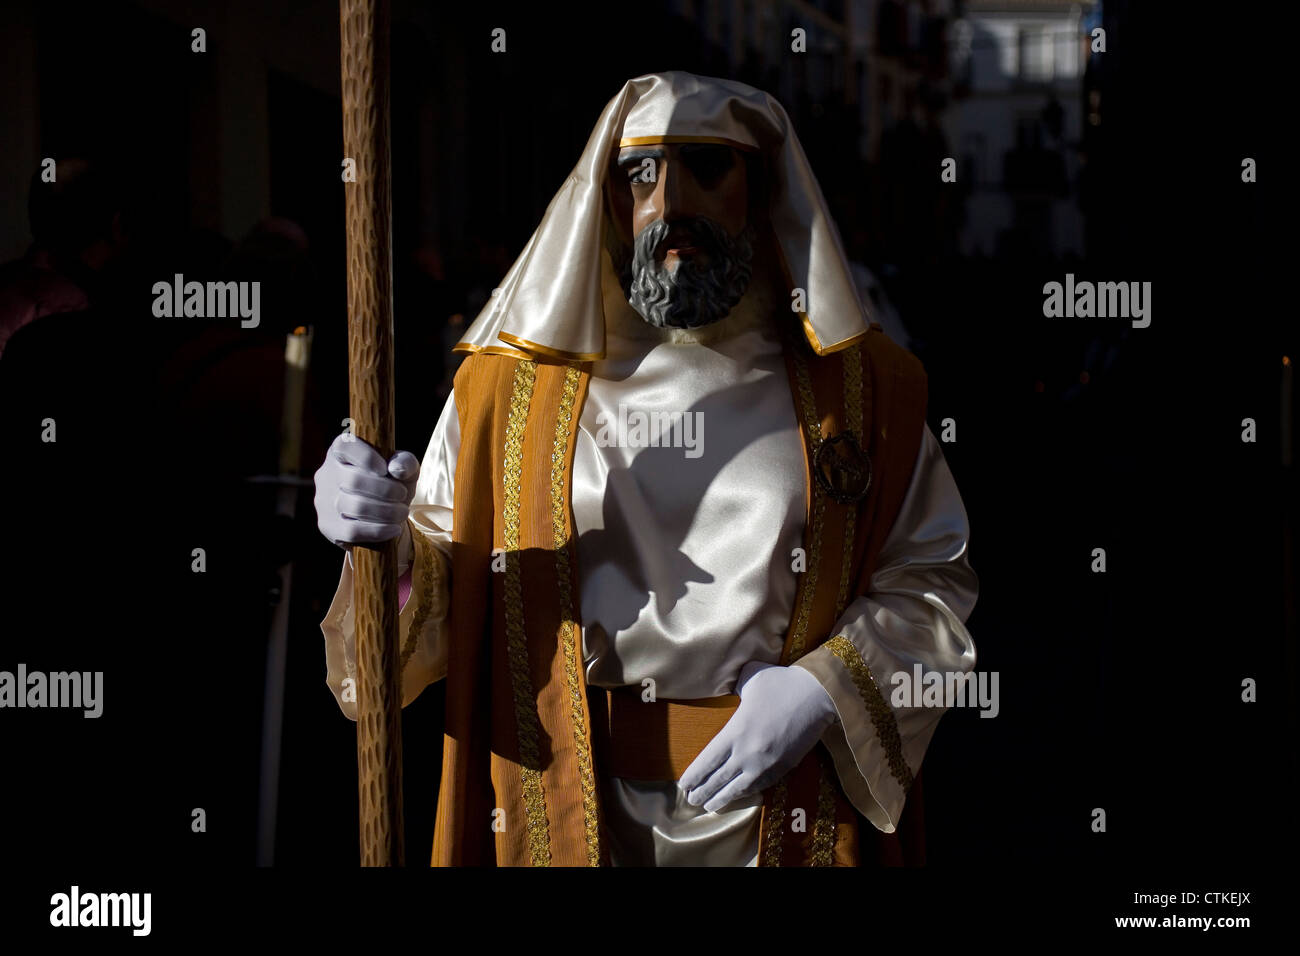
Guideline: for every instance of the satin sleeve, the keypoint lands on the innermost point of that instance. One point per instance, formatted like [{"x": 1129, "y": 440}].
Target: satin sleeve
[
  {"x": 424, "y": 588},
  {"x": 920, "y": 596}
]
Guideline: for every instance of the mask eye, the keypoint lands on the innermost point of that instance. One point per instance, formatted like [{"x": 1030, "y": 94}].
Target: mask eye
[
  {"x": 641, "y": 174},
  {"x": 708, "y": 164},
  {"x": 641, "y": 169}
]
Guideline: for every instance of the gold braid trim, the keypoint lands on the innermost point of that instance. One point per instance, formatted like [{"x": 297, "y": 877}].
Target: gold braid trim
[
  {"x": 814, "y": 563},
  {"x": 882, "y": 717},
  {"x": 853, "y": 390},
  {"x": 814, "y": 427},
  {"x": 563, "y": 569},
  {"x": 808, "y": 402},
  {"x": 823, "y": 842},
  {"x": 852, "y": 359},
  {"x": 427, "y": 560},
  {"x": 772, "y": 844},
  {"x": 526, "y": 719}
]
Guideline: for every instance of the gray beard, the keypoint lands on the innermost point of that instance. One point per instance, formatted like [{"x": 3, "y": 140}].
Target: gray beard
[{"x": 692, "y": 295}]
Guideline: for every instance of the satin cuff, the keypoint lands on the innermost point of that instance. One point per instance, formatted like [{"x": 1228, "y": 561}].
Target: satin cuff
[
  {"x": 422, "y": 624},
  {"x": 920, "y": 597},
  {"x": 424, "y": 549}
]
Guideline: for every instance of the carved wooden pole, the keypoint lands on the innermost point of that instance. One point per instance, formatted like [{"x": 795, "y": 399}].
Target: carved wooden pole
[{"x": 364, "y": 28}]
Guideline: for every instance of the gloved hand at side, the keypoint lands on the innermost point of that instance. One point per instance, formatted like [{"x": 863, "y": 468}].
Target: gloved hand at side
[{"x": 782, "y": 714}]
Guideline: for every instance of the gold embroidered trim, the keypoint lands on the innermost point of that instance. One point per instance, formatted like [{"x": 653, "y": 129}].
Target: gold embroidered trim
[
  {"x": 852, "y": 359},
  {"x": 809, "y": 403},
  {"x": 814, "y": 565},
  {"x": 563, "y": 570},
  {"x": 882, "y": 717},
  {"x": 813, "y": 425},
  {"x": 526, "y": 720},
  {"x": 846, "y": 563},
  {"x": 823, "y": 842},
  {"x": 853, "y": 391},
  {"x": 420, "y": 619},
  {"x": 775, "y": 835}
]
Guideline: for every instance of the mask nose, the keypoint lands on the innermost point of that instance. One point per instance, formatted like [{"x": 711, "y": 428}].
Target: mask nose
[{"x": 672, "y": 195}]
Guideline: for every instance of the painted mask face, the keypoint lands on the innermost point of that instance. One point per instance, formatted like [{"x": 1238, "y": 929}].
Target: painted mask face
[{"x": 684, "y": 208}]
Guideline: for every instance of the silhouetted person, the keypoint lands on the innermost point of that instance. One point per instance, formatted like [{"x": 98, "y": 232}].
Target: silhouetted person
[{"x": 78, "y": 230}]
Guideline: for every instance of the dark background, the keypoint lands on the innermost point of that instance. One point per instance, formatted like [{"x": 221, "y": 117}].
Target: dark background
[{"x": 1118, "y": 690}]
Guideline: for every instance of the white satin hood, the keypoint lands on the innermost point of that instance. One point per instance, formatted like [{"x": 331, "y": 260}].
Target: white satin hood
[{"x": 550, "y": 301}]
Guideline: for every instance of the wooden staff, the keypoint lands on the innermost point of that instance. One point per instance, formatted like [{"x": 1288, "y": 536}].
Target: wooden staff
[{"x": 364, "y": 26}]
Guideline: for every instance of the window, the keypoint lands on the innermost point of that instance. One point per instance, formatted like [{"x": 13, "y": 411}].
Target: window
[{"x": 1035, "y": 54}]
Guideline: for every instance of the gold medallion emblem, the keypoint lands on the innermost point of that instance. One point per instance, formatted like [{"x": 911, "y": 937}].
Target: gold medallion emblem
[{"x": 843, "y": 470}]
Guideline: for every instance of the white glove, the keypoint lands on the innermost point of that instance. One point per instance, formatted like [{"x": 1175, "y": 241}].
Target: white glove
[
  {"x": 360, "y": 499},
  {"x": 782, "y": 714}
]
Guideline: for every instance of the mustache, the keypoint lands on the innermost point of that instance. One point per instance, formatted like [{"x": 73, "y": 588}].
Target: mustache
[
  {"x": 694, "y": 294},
  {"x": 704, "y": 234}
]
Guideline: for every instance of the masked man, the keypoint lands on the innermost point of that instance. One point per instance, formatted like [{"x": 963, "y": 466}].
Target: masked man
[{"x": 679, "y": 524}]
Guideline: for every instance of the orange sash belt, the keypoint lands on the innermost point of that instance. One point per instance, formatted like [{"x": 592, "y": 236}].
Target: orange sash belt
[{"x": 652, "y": 740}]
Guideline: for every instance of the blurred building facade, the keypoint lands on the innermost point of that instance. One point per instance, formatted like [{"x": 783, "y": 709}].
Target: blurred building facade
[
  {"x": 1019, "y": 68},
  {"x": 886, "y": 89}
]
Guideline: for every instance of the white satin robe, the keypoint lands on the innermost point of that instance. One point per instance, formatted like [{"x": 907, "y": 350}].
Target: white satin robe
[{"x": 685, "y": 568}]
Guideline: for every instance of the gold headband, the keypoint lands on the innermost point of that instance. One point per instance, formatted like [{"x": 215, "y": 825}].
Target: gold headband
[{"x": 656, "y": 140}]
